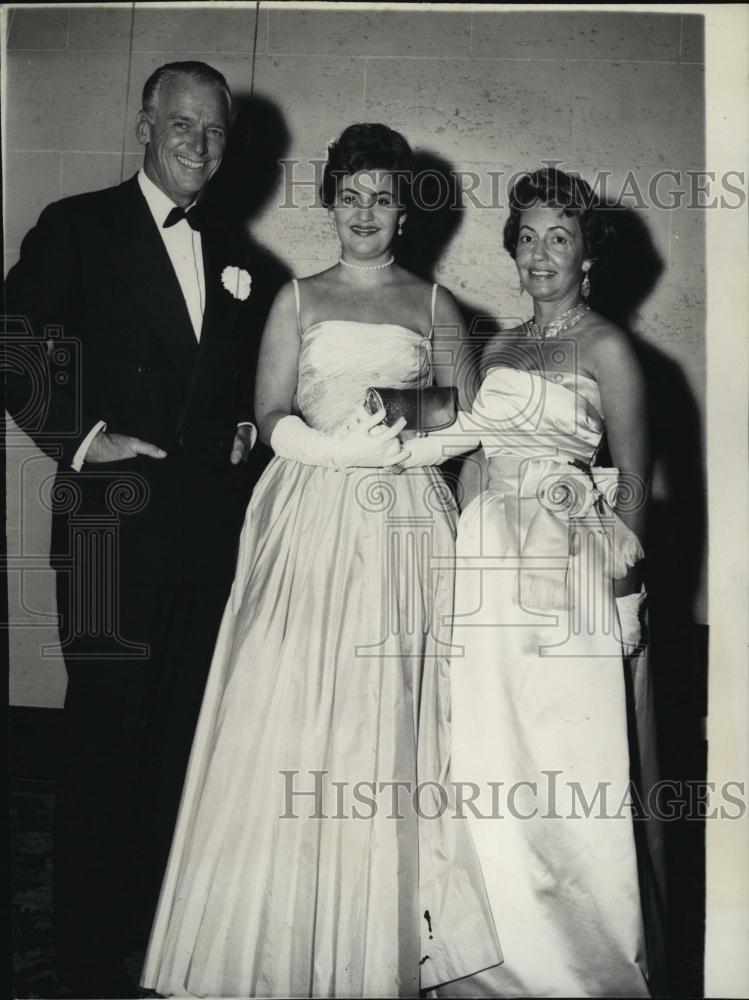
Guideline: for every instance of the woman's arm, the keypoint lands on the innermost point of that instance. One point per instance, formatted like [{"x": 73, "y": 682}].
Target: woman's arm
[
  {"x": 278, "y": 364},
  {"x": 623, "y": 400}
]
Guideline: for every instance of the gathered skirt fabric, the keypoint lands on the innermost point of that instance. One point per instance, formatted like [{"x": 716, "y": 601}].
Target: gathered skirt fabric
[
  {"x": 316, "y": 851},
  {"x": 540, "y": 729}
]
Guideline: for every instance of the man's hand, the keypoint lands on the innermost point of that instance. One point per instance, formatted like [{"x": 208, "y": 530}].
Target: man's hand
[
  {"x": 118, "y": 447},
  {"x": 242, "y": 444}
]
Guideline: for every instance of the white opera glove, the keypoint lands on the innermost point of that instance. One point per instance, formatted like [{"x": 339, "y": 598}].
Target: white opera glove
[
  {"x": 357, "y": 416},
  {"x": 630, "y": 610},
  {"x": 426, "y": 450},
  {"x": 295, "y": 440},
  {"x": 439, "y": 446}
]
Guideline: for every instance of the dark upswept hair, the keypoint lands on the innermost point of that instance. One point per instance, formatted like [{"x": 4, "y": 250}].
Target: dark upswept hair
[
  {"x": 557, "y": 189},
  {"x": 367, "y": 146},
  {"x": 200, "y": 72}
]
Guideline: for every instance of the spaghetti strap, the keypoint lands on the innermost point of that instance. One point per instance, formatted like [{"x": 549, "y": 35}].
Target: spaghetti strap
[
  {"x": 295, "y": 283},
  {"x": 435, "y": 286}
]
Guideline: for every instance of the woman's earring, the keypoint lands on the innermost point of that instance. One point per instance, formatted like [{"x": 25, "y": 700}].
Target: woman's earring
[
  {"x": 400, "y": 226},
  {"x": 585, "y": 286}
]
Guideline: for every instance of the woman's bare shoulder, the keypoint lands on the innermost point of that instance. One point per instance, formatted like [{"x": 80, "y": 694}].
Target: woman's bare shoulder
[
  {"x": 601, "y": 335},
  {"x": 605, "y": 345},
  {"x": 410, "y": 283},
  {"x": 321, "y": 279}
]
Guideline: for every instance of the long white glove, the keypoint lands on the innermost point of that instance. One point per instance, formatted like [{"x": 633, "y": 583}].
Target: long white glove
[
  {"x": 427, "y": 450},
  {"x": 438, "y": 446},
  {"x": 630, "y": 610},
  {"x": 295, "y": 440}
]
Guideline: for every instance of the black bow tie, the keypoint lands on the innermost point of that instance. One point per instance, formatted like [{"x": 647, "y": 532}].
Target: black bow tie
[{"x": 177, "y": 214}]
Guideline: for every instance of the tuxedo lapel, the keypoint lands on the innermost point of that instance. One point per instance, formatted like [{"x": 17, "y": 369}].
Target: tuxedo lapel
[
  {"x": 220, "y": 313},
  {"x": 145, "y": 266},
  {"x": 220, "y": 308}
]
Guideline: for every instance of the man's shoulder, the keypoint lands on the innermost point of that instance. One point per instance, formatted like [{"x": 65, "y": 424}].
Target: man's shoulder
[{"x": 92, "y": 204}]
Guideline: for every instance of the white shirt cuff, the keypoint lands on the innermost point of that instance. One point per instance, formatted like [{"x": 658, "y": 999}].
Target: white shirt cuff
[
  {"x": 253, "y": 434},
  {"x": 80, "y": 456}
]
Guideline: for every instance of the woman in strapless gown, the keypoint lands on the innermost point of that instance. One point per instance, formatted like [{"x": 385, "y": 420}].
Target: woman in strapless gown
[
  {"x": 300, "y": 865},
  {"x": 549, "y": 648}
]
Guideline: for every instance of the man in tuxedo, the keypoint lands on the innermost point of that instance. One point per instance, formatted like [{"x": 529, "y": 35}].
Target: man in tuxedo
[{"x": 138, "y": 309}]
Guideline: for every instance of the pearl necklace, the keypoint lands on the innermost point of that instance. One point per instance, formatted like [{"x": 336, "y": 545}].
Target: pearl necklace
[
  {"x": 564, "y": 322},
  {"x": 367, "y": 267}
]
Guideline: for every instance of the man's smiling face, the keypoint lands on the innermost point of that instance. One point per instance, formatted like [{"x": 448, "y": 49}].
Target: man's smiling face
[{"x": 185, "y": 137}]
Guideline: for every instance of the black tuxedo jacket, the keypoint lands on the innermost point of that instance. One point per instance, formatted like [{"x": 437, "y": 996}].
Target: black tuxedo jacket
[{"x": 99, "y": 330}]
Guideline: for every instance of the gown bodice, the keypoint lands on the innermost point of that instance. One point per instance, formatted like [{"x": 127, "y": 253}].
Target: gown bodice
[
  {"x": 541, "y": 436},
  {"x": 522, "y": 415},
  {"x": 340, "y": 359}
]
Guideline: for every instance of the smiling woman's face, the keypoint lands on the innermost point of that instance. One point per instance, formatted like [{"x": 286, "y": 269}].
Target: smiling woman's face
[
  {"x": 366, "y": 213},
  {"x": 550, "y": 254}
]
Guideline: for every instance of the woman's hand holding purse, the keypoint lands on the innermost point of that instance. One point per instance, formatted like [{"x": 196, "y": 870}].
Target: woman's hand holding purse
[
  {"x": 362, "y": 443},
  {"x": 370, "y": 443}
]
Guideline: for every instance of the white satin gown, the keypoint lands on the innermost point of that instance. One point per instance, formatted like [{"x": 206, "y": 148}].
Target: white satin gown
[
  {"x": 540, "y": 703},
  {"x": 330, "y": 676}
]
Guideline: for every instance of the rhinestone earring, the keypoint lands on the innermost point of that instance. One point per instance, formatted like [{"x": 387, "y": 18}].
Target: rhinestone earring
[
  {"x": 400, "y": 228},
  {"x": 585, "y": 287}
]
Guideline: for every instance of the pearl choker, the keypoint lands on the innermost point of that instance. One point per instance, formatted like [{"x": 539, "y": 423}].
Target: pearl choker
[
  {"x": 564, "y": 322},
  {"x": 367, "y": 267}
]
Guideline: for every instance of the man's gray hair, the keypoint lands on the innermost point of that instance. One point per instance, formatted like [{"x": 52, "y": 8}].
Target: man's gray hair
[{"x": 200, "y": 72}]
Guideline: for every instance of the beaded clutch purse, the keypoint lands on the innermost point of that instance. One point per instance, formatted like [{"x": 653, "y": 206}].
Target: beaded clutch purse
[{"x": 429, "y": 409}]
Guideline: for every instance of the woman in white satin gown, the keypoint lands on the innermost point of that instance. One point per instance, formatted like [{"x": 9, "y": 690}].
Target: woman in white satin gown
[
  {"x": 548, "y": 608},
  {"x": 330, "y": 671}
]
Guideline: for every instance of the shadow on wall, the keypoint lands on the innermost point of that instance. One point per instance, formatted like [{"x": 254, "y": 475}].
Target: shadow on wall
[
  {"x": 433, "y": 221},
  {"x": 434, "y": 217},
  {"x": 241, "y": 189},
  {"x": 430, "y": 230},
  {"x": 675, "y": 550},
  {"x": 678, "y": 518}
]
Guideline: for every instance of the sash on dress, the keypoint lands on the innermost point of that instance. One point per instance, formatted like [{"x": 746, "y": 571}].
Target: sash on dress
[{"x": 573, "y": 510}]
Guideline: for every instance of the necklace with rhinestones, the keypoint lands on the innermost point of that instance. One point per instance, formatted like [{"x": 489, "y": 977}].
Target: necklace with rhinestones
[
  {"x": 367, "y": 267},
  {"x": 564, "y": 322}
]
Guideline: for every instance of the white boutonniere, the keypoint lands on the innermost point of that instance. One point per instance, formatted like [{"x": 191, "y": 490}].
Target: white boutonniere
[{"x": 237, "y": 282}]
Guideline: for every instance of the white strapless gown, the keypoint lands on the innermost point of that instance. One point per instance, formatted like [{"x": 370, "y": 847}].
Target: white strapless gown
[
  {"x": 540, "y": 717},
  {"x": 331, "y": 666}
]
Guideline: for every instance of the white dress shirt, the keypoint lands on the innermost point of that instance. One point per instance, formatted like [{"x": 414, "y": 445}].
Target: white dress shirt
[{"x": 185, "y": 249}]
